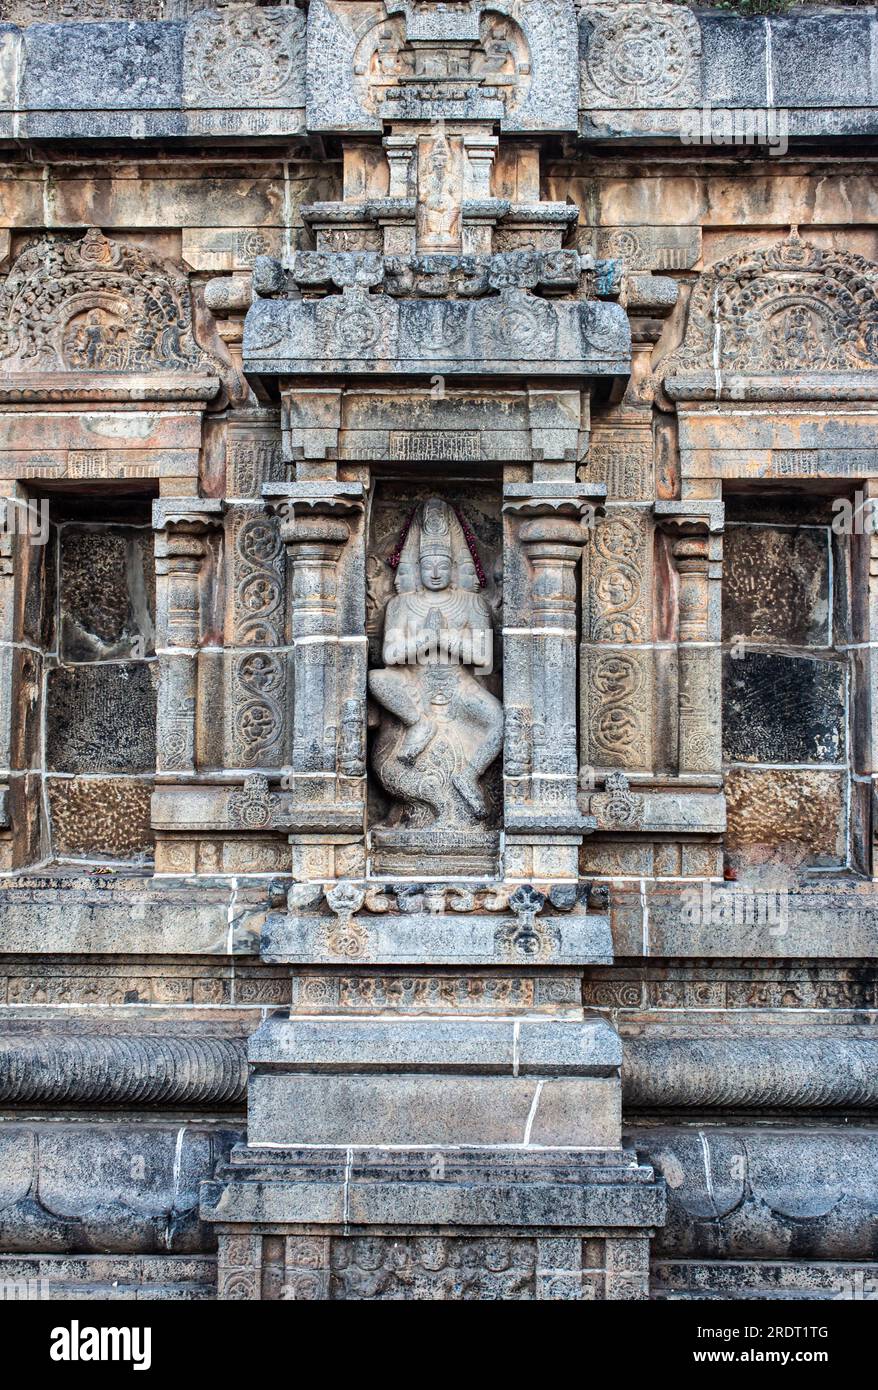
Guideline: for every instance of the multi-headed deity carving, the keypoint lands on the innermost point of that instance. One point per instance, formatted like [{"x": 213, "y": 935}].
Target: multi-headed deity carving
[{"x": 440, "y": 727}]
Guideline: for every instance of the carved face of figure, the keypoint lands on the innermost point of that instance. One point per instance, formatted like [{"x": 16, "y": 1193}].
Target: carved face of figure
[{"x": 435, "y": 571}]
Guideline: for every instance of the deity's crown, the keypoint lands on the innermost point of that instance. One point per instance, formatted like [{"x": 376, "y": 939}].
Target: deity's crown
[{"x": 436, "y": 529}]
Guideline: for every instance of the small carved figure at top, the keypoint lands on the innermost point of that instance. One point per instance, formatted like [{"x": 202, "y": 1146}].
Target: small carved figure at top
[
  {"x": 442, "y": 728},
  {"x": 439, "y": 195}
]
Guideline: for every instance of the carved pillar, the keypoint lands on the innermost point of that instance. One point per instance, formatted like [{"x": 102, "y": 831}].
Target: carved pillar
[
  {"x": 544, "y": 537},
  {"x": 864, "y": 723},
  {"x": 7, "y": 640},
  {"x": 401, "y": 151},
  {"x": 322, "y": 530},
  {"x": 181, "y": 548},
  {"x": 16, "y": 675},
  {"x": 696, "y": 548}
]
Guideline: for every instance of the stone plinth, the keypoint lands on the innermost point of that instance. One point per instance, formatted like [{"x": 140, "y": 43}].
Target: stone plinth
[
  {"x": 421, "y": 1082},
  {"x": 446, "y": 1224},
  {"x": 436, "y": 1116}
]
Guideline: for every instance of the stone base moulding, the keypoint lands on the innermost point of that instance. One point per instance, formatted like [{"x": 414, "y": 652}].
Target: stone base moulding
[{"x": 376, "y": 1224}]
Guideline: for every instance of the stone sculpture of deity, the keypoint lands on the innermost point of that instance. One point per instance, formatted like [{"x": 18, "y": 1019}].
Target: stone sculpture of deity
[{"x": 441, "y": 727}]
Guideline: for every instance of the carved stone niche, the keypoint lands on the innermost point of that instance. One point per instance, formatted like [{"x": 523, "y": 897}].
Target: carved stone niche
[
  {"x": 433, "y": 598},
  {"x": 791, "y": 333},
  {"x": 91, "y": 322},
  {"x": 115, "y": 362},
  {"x": 792, "y": 322}
]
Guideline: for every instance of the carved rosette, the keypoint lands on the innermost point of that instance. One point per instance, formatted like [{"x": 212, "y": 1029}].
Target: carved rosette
[
  {"x": 244, "y": 55},
  {"x": 641, "y": 55}
]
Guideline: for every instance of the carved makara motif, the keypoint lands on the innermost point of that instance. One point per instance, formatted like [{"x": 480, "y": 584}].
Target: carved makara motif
[
  {"x": 441, "y": 728},
  {"x": 792, "y": 308},
  {"x": 97, "y": 305}
]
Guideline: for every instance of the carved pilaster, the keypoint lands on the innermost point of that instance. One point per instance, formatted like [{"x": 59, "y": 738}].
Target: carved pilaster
[
  {"x": 182, "y": 527},
  {"x": 618, "y": 654},
  {"x": 696, "y": 548},
  {"x": 322, "y": 530},
  {"x": 544, "y": 538}
]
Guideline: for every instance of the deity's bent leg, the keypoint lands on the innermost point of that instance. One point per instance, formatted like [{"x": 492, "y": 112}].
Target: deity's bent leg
[
  {"x": 485, "y": 712},
  {"x": 392, "y": 689}
]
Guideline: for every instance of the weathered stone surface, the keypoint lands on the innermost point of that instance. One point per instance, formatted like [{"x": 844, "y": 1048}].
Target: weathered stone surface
[
  {"x": 776, "y": 585},
  {"x": 783, "y": 709},
  {"x": 819, "y": 56},
  {"x": 107, "y": 593},
  {"x": 772, "y": 1279},
  {"x": 321, "y": 329},
  {"x": 433, "y": 1111},
  {"x": 103, "y": 1277},
  {"x": 504, "y": 336},
  {"x": 770, "y": 1193},
  {"x": 521, "y": 1190},
  {"x": 101, "y": 718},
  {"x": 130, "y": 1190},
  {"x": 531, "y": 1047},
  {"x": 519, "y": 70},
  {"x": 185, "y": 1070},
  {"x": 474, "y": 939},
  {"x": 776, "y": 1073},
  {"x": 107, "y": 916},
  {"x": 97, "y": 818},
  {"x": 787, "y": 816},
  {"x": 767, "y": 920}
]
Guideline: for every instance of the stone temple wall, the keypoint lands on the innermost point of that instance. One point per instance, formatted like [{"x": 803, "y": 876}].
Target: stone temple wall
[{"x": 438, "y": 675}]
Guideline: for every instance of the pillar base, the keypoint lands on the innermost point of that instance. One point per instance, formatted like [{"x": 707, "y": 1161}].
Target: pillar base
[{"x": 447, "y": 1223}]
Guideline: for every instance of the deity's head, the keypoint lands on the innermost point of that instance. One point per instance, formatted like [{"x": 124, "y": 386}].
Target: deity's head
[
  {"x": 435, "y": 571},
  {"x": 436, "y": 555}
]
